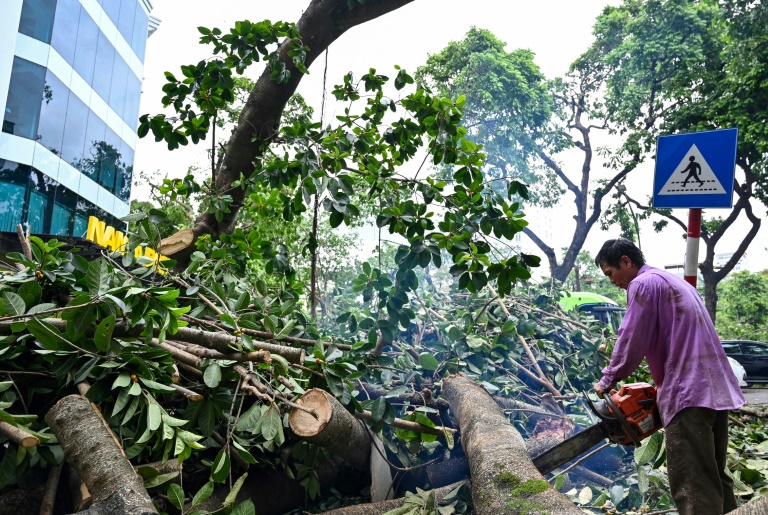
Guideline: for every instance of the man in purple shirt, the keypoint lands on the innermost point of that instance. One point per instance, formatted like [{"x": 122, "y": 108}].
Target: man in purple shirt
[{"x": 666, "y": 323}]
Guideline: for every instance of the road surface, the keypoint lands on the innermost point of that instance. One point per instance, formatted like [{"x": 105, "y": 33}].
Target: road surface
[{"x": 756, "y": 395}]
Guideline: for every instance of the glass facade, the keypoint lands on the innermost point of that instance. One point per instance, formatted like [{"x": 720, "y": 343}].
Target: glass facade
[
  {"x": 22, "y": 108},
  {"x": 41, "y": 107},
  {"x": 37, "y": 19},
  {"x": 29, "y": 196}
]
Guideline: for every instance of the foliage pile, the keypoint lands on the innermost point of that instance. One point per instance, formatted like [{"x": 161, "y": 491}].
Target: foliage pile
[{"x": 196, "y": 365}]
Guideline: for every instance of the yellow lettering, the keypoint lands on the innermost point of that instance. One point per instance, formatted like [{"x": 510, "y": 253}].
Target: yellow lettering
[
  {"x": 93, "y": 226},
  {"x": 105, "y": 235}
]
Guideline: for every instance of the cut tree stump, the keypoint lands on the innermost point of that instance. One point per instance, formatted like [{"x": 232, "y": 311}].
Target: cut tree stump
[
  {"x": 335, "y": 429},
  {"x": 504, "y": 479},
  {"x": 91, "y": 449}
]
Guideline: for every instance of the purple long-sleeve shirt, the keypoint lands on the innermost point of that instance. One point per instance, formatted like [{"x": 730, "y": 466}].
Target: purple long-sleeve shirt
[{"x": 667, "y": 323}]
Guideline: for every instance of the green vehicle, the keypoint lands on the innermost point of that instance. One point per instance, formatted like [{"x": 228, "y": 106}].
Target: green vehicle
[{"x": 597, "y": 306}]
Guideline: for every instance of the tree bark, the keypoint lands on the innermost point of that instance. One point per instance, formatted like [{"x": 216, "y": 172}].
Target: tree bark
[
  {"x": 322, "y": 23},
  {"x": 335, "y": 429},
  {"x": 757, "y": 506},
  {"x": 379, "y": 508},
  {"x": 504, "y": 479},
  {"x": 18, "y": 436},
  {"x": 92, "y": 450},
  {"x": 216, "y": 340}
]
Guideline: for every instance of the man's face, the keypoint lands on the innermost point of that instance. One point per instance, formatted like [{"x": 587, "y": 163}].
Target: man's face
[{"x": 622, "y": 275}]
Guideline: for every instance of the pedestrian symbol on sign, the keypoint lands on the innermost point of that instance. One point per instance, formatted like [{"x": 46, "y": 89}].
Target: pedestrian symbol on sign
[
  {"x": 700, "y": 178},
  {"x": 694, "y": 169}
]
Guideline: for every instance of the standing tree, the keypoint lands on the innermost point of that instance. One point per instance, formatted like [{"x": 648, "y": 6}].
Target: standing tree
[
  {"x": 527, "y": 123},
  {"x": 743, "y": 306},
  {"x": 708, "y": 58}
]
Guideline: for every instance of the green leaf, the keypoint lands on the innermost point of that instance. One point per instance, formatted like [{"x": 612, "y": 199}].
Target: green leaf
[
  {"x": 30, "y": 290},
  {"x": 97, "y": 278},
  {"x": 272, "y": 424},
  {"x": 378, "y": 408},
  {"x": 220, "y": 467},
  {"x": 203, "y": 494},
  {"x": 121, "y": 381},
  {"x": 285, "y": 331},
  {"x": 154, "y": 416},
  {"x": 206, "y": 418},
  {"x": 13, "y": 304},
  {"x": 8, "y": 468},
  {"x": 232, "y": 495},
  {"x": 176, "y": 495},
  {"x": 160, "y": 479},
  {"x": 427, "y": 361},
  {"x": 649, "y": 449},
  {"x": 212, "y": 375},
  {"x": 248, "y": 420},
  {"x": 47, "y": 335},
  {"x": 245, "y": 508},
  {"x": 46, "y": 306},
  {"x": 79, "y": 320},
  {"x": 154, "y": 385},
  {"x": 103, "y": 335}
]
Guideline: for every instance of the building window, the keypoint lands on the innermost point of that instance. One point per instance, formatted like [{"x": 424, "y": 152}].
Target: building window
[
  {"x": 124, "y": 174},
  {"x": 102, "y": 74},
  {"x": 85, "y": 48},
  {"x": 132, "y": 99},
  {"x": 37, "y": 19},
  {"x": 14, "y": 179},
  {"x": 64, "y": 36},
  {"x": 93, "y": 140},
  {"x": 112, "y": 8},
  {"x": 140, "y": 28},
  {"x": 74, "y": 132},
  {"x": 60, "y": 219},
  {"x": 22, "y": 108},
  {"x": 109, "y": 156},
  {"x": 38, "y": 203},
  {"x": 81, "y": 226},
  {"x": 127, "y": 17},
  {"x": 53, "y": 112},
  {"x": 29, "y": 196},
  {"x": 119, "y": 83}
]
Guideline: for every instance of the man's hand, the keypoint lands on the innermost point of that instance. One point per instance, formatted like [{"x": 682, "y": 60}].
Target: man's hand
[{"x": 599, "y": 390}]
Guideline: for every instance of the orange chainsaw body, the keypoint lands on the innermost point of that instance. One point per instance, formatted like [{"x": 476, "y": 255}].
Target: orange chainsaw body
[{"x": 633, "y": 409}]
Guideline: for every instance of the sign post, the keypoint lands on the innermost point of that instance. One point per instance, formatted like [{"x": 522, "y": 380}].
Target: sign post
[{"x": 695, "y": 170}]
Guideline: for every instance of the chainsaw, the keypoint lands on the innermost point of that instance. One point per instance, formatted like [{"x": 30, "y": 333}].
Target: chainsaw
[{"x": 625, "y": 417}]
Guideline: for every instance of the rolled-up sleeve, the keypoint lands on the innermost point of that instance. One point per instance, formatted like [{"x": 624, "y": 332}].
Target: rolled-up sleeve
[{"x": 633, "y": 342}]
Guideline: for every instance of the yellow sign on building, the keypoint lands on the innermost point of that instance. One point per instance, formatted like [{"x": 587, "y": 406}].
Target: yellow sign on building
[{"x": 107, "y": 236}]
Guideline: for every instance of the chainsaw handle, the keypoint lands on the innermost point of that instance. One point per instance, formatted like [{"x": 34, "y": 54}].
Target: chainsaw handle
[{"x": 622, "y": 421}]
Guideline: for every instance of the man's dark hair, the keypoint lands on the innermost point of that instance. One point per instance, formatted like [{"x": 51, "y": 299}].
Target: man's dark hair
[{"x": 613, "y": 250}]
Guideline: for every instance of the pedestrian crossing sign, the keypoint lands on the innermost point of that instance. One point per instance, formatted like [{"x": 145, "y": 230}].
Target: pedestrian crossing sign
[{"x": 695, "y": 170}]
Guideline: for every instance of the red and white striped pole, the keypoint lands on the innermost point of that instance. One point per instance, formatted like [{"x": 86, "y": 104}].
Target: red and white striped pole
[{"x": 692, "y": 247}]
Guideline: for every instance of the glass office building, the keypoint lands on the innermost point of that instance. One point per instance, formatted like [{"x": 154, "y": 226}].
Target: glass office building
[{"x": 70, "y": 84}]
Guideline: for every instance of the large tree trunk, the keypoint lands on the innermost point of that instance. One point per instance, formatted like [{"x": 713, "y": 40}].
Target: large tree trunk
[
  {"x": 91, "y": 448},
  {"x": 322, "y": 23},
  {"x": 504, "y": 479}
]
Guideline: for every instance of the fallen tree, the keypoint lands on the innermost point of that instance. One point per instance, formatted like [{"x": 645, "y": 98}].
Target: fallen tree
[
  {"x": 93, "y": 451},
  {"x": 504, "y": 479}
]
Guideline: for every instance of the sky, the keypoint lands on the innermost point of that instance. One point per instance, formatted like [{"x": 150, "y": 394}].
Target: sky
[{"x": 557, "y": 31}]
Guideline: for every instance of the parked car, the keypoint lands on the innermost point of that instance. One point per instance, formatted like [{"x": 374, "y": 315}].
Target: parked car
[
  {"x": 597, "y": 306},
  {"x": 738, "y": 371},
  {"x": 753, "y": 356}
]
